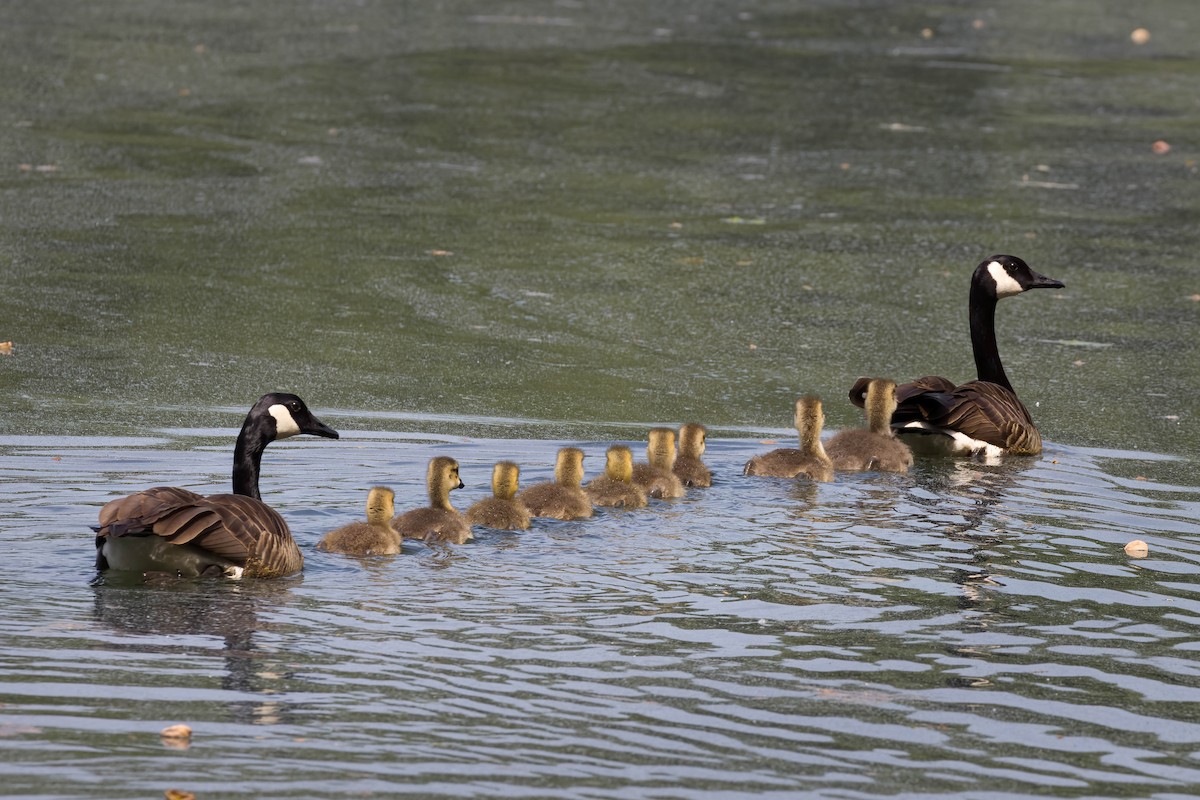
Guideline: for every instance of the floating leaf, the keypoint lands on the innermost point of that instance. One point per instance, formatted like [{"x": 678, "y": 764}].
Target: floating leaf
[{"x": 1137, "y": 549}]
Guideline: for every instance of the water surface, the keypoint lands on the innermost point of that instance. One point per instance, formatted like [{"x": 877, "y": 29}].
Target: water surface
[{"x": 490, "y": 230}]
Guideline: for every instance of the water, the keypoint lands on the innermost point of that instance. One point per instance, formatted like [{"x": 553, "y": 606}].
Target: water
[
  {"x": 492, "y": 230},
  {"x": 967, "y": 630}
]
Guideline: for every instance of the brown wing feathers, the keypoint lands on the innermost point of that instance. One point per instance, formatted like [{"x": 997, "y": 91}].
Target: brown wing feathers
[{"x": 243, "y": 530}]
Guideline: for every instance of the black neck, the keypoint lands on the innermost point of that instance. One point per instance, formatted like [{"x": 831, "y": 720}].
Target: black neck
[
  {"x": 983, "y": 338},
  {"x": 247, "y": 456}
]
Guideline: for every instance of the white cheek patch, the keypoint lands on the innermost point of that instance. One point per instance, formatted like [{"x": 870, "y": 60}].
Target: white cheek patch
[
  {"x": 1006, "y": 285},
  {"x": 285, "y": 426}
]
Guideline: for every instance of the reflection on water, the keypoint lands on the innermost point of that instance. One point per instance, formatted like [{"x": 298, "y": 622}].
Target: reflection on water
[{"x": 960, "y": 624}]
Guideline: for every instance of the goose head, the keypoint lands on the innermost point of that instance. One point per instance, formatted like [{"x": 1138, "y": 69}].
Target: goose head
[
  {"x": 692, "y": 440},
  {"x": 505, "y": 478},
  {"x": 1005, "y": 276},
  {"x": 619, "y": 463},
  {"x": 660, "y": 450},
  {"x": 568, "y": 467},
  {"x": 281, "y": 415},
  {"x": 381, "y": 505}
]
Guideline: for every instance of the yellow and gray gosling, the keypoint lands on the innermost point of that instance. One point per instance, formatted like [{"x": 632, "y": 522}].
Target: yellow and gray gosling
[
  {"x": 874, "y": 448},
  {"x": 615, "y": 487},
  {"x": 563, "y": 497},
  {"x": 502, "y": 510},
  {"x": 688, "y": 466},
  {"x": 439, "y": 521},
  {"x": 810, "y": 460},
  {"x": 375, "y": 537},
  {"x": 656, "y": 476}
]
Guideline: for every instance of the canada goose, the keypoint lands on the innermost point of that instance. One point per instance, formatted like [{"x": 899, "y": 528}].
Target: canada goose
[
  {"x": 984, "y": 416},
  {"x": 809, "y": 460},
  {"x": 656, "y": 476},
  {"x": 563, "y": 497},
  {"x": 502, "y": 510},
  {"x": 616, "y": 487},
  {"x": 875, "y": 447},
  {"x": 176, "y": 531},
  {"x": 375, "y": 537},
  {"x": 688, "y": 466},
  {"x": 438, "y": 521}
]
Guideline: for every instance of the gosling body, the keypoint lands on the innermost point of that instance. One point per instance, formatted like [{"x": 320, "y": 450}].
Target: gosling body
[
  {"x": 439, "y": 521},
  {"x": 563, "y": 497},
  {"x": 809, "y": 460},
  {"x": 874, "y": 448},
  {"x": 503, "y": 510},
  {"x": 615, "y": 488},
  {"x": 375, "y": 537},
  {"x": 656, "y": 476}
]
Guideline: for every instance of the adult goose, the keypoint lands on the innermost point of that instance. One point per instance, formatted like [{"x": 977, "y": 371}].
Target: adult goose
[
  {"x": 982, "y": 417},
  {"x": 178, "y": 532}
]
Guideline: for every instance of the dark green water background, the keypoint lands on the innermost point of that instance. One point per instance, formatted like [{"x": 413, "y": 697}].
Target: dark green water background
[{"x": 653, "y": 211}]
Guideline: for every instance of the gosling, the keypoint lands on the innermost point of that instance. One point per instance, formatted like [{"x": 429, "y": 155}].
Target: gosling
[
  {"x": 656, "y": 476},
  {"x": 563, "y": 497},
  {"x": 688, "y": 466},
  {"x": 616, "y": 487},
  {"x": 439, "y": 521},
  {"x": 874, "y": 448},
  {"x": 374, "y": 537},
  {"x": 503, "y": 510},
  {"x": 810, "y": 460}
]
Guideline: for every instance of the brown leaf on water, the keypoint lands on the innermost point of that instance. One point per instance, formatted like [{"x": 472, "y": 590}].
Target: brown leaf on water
[
  {"x": 1195, "y": 298},
  {"x": 1137, "y": 549},
  {"x": 179, "y": 794},
  {"x": 1161, "y": 147},
  {"x": 176, "y": 737},
  {"x": 441, "y": 252},
  {"x": 6, "y": 348},
  {"x": 1140, "y": 36}
]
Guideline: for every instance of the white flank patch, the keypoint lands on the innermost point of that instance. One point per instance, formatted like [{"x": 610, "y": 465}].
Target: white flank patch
[
  {"x": 285, "y": 426},
  {"x": 928, "y": 440},
  {"x": 1006, "y": 285}
]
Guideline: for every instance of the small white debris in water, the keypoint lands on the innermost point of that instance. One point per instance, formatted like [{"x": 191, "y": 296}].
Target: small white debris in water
[{"x": 1137, "y": 549}]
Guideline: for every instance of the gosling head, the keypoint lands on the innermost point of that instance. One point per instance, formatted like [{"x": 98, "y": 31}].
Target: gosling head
[
  {"x": 619, "y": 463},
  {"x": 660, "y": 450},
  {"x": 1005, "y": 276},
  {"x": 693, "y": 438},
  {"x": 880, "y": 405},
  {"x": 381, "y": 505},
  {"x": 810, "y": 418},
  {"x": 505, "y": 479},
  {"x": 442, "y": 479},
  {"x": 568, "y": 467}
]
